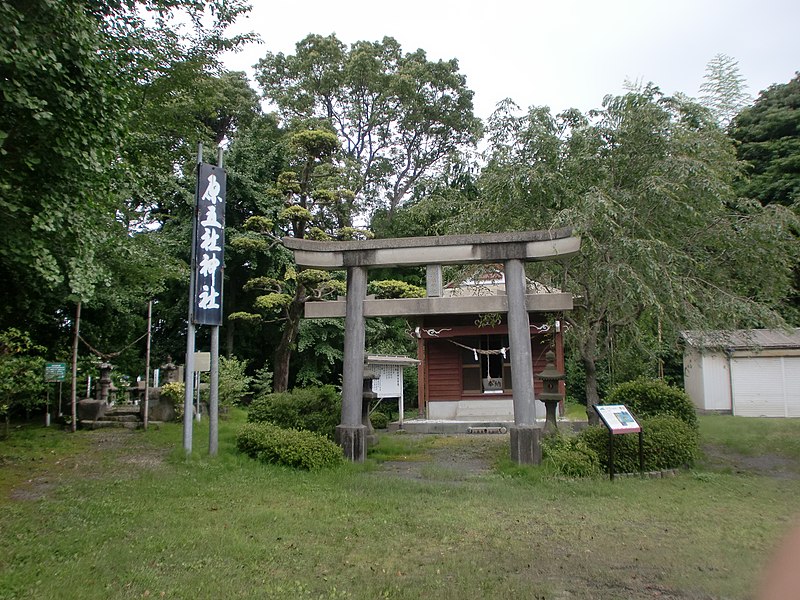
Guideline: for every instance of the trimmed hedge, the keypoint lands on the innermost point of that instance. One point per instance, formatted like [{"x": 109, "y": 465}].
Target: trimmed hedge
[
  {"x": 569, "y": 457},
  {"x": 317, "y": 409},
  {"x": 668, "y": 443},
  {"x": 290, "y": 447},
  {"x": 651, "y": 397}
]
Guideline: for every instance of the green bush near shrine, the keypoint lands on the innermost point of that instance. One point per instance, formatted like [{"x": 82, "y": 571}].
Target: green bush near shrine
[
  {"x": 294, "y": 448},
  {"x": 316, "y": 409},
  {"x": 653, "y": 397},
  {"x": 668, "y": 443}
]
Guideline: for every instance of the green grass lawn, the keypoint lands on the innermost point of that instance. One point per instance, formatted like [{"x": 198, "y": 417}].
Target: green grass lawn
[{"x": 96, "y": 515}]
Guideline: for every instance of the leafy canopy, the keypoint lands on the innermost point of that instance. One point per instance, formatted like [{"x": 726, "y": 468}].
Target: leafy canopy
[
  {"x": 646, "y": 182},
  {"x": 397, "y": 115}
]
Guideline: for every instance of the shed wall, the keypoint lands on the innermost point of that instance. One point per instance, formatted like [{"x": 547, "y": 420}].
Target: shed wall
[
  {"x": 693, "y": 378},
  {"x": 716, "y": 382}
]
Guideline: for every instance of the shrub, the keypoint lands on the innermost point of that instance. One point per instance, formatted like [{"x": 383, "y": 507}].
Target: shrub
[
  {"x": 290, "y": 447},
  {"x": 21, "y": 369},
  {"x": 379, "y": 420},
  {"x": 316, "y": 409},
  {"x": 651, "y": 397},
  {"x": 668, "y": 443},
  {"x": 393, "y": 288},
  {"x": 250, "y": 438},
  {"x": 569, "y": 456},
  {"x": 234, "y": 383},
  {"x": 175, "y": 392}
]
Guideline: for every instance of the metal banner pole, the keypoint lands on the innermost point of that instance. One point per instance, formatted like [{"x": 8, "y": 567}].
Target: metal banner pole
[
  {"x": 213, "y": 384},
  {"x": 146, "y": 413},
  {"x": 74, "y": 401},
  {"x": 190, "y": 343},
  {"x": 213, "y": 397},
  {"x": 611, "y": 455}
]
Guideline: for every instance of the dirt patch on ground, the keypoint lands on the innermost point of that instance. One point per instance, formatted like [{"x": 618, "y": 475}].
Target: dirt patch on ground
[
  {"x": 720, "y": 458},
  {"x": 462, "y": 457},
  {"x": 119, "y": 451},
  {"x": 457, "y": 457}
]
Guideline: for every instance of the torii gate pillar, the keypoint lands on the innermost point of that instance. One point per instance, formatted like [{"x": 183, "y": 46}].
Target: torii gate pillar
[
  {"x": 525, "y": 436},
  {"x": 351, "y": 434}
]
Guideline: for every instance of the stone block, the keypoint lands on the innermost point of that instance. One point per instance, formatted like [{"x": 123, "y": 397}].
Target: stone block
[
  {"x": 90, "y": 409},
  {"x": 159, "y": 409}
]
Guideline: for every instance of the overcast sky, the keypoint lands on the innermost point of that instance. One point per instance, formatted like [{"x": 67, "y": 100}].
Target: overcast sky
[{"x": 565, "y": 53}]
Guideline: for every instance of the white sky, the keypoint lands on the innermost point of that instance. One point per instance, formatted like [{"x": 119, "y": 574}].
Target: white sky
[{"x": 562, "y": 54}]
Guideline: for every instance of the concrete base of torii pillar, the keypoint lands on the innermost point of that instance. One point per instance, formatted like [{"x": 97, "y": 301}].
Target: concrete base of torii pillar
[
  {"x": 353, "y": 440},
  {"x": 526, "y": 446}
]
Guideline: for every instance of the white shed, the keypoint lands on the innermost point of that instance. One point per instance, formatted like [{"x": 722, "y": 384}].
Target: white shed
[{"x": 750, "y": 372}]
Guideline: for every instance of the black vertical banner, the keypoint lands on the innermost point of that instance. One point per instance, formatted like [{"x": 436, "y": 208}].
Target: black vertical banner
[{"x": 209, "y": 245}]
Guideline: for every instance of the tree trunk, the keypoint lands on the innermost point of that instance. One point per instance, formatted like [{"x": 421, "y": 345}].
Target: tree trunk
[
  {"x": 588, "y": 358},
  {"x": 592, "y": 397},
  {"x": 283, "y": 353},
  {"x": 230, "y": 326}
]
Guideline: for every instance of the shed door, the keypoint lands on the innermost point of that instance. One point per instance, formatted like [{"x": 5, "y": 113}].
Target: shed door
[
  {"x": 766, "y": 386},
  {"x": 716, "y": 382}
]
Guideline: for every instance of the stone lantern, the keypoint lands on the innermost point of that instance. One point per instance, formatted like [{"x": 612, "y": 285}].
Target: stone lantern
[
  {"x": 105, "y": 381},
  {"x": 170, "y": 371},
  {"x": 550, "y": 395}
]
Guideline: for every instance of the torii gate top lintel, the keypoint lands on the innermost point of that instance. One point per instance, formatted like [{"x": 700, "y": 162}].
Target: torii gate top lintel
[{"x": 442, "y": 250}]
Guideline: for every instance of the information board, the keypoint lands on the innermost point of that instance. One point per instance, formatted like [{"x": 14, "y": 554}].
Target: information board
[
  {"x": 55, "y": 371},
  {"x": 202, "y": 361},
  {"x": 617, "y": 418}
]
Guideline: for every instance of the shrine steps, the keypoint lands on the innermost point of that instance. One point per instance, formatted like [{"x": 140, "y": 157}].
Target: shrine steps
[{"x": 123, "y": 416}]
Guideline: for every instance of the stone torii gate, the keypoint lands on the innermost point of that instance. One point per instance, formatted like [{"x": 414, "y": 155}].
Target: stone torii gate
[{"x": 510, "y": 249}]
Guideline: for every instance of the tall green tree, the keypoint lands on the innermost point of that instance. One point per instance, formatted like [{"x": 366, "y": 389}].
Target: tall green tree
[
  {"x": 308, "y": 200},
  {"x": 724, "y": 90},
  {"x": 398, "y": 115},
  {"x": 57, "y": 137},
  {"x": 646, "y": 182},
  {"x": 255, "y": 159},
  {"x": 77, "y": 78},
  {"x": 768, "y": 134},
  {"x": 102, "y": 101}
]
